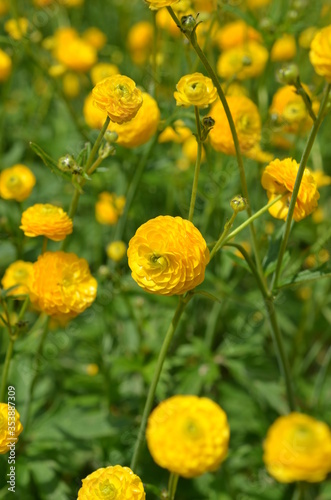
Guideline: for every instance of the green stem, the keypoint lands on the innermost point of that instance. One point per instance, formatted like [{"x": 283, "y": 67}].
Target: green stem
[
  {"x": 193, "y": 40},
  {"x": 5, "y": 370},
  {"x": 24, "y": 308},
  {"x": 303, "y": 163},
  {"x": 95, "y": 165},
  {"x": 226, "y": 231},
  {"x": 157, "y": 371},
  {"x": 172, "y": 486},
  {"x": 197, "y": 165},
  {"x": 44, "y": 247},
  {"x": 37, "y": 364}
]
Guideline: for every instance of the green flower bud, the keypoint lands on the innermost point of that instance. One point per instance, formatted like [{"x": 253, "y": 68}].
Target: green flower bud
[
  {"x": 111, "y": 136},
  {"x": 288, "y": 74},
  {"x": 238, "y": 203},
  {"x": 67, "y": 163},
  {"x": 188, "y": 23}
]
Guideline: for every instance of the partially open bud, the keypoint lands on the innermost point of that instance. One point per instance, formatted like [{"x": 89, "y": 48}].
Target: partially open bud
[
  {"x": 106, "y": 149},
  {"x": 207, "y": 124},
  {"x": 288, "y": 74},
  {"x": 238, "y": 203}
]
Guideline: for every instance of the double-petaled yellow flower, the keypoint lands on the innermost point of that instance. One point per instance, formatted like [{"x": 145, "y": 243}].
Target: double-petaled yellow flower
[
  {"x": 320, "y": 53},
  {"x": 46, "y": 220},
  {"x": 168, "y": 256},
  {"x": 279, "y": 178},
  {"x": 10, "y": 427},
  {"x": 113, "y": 482},
  {"x": 62, "y": 285},
  {"x": 16, "y": 183},
  {"x": 195, "y": 90},
  {"x": 108, "y": 208},
  {"x": 298, "y": 448},
  {"x": 119, "y": 97},
  {"x": 158, "y": 4},
  {"x": 188, "y": 435},
  {"x": 18, "y": 274},
  {"x": 243, "y": 62},
  {"x": 5, "y": 66}
]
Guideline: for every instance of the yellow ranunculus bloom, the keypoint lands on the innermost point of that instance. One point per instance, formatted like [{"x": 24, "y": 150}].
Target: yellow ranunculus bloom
[
  {"x": 298, "y": 448},
  {"x": 178, "y": 133},
  {"x": 246, "y": 61},
  {"x": 17, "y": 30},
  {"x": 190, "y": 149},
  {"x": 140, "y": 41},
  {"x": 76, "y": 54},
  {"x": 119, "y": 97},
  {"x": 108, "y": 208},
  {"x": 188, "y": 435},
  {"x": 113, "y": 482},
  {"x": 142, "y": 127},
  {"x": 95, "y": 37},
  {"x": 321, "y": 178},
  {"x": 5, "y": 66},
  {"x": 279, "y": 178},
  {"x": 9, "y": 434},
  {"x": 102, "y": 70},
  {"x": 71, "y": 85},
  {"x": 320, "y": 53},
  {"x": 236, "y": 34},
  {"x": 116, "y": 250},
  {"x": 94, "y": 117},
  {"x": 158, "y": 4},
  {"x": 18, "y": 273},
  {"x": 16, "y": 182},
  {"x": 284, "y": 49},
  {"x": 62, "y": 285},
  {"x": 168, "y": 256},
  {"x": 307, "y": 36},
  {"x": 195, "y": 90},
  {"x": 46, "y": 220}
]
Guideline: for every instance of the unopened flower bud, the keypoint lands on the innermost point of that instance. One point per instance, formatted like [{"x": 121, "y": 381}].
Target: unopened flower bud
[
  {"x": 67, "y": 163},
  {"x": 238, "y": 203},
  {"x": 207, "y": 124},
  {"x": 288, "y": 74},
  {"x": 247, "y": 61},
  {"x": 111, "y": 136},
  {"x": 106, "y": 149},
  {"x": 188, "y": 23}
]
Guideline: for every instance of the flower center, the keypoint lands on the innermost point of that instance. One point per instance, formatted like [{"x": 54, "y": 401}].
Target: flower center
[
  {"x": 14, "y": 182},
  {"x": 107, "y": 490},
  {"x": 303, "y": 439},
  {"x": 122, "y": 91},
  {"x": 195, "y": 89},
  {"x": 158, "y": 260},
  {"x": 192, "y": 430},
  {"x": 49, "y": 209}
]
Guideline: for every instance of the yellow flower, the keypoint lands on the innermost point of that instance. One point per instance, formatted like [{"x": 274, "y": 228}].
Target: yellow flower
[
  {"x": 188, "y": 435},
  {"x": 247, "y": 122},
  {"x": 4, "y": 7},
  {"x": 17, "y": 30},
  {"x": 321, "y": 178},
  {"x": 284, "y": 49},
  {"x": 320, "y": 53},
  {"x": 62, "y": 285},
  {"x": 298, "y": 448},
  {"x": 158, "y": 4},
  {"x": 257, "y": 4},
  {"x": 5, "y": 66},
  {"x": 168, "y": 256},
  {"x": 236, "y": 34},
  {"x": 76, "y": 54},
  {"x": 119, "y": 97},
  {"x": 102, "y": 70},
  {"x": 306, "y": 37},
  {"x": 108, "y": 208},
  {"x": 165, "y": 22},
  {"x": 195, "y": 90},
  {"x": 92, "y": 369},
  {"x": 142, "y": 127},
  {"x": 205, "y": 5},
  {"x": 178, "y": 133},
  {"x": 10, "y": 427},
  {"x": 113, "y": 482},
  {"x": 289, "y": 110},
  {"x": 46, "y": 220},
  {"x": 95, "y": 37},
  {"x": 140, "y": 40},
  {"x": 279, "y": 178},
  {"x": 94, "y": 117},
  {"x": 71, "y": 3},
  {"x": 190, "y": 149},
  {"x": 18, "y": 273},
  {"x": 16, "y": 182},
  {"x": 116, "y": 250},
  {"x": 243, "y": 62},
  {"x": 71, "y": 85}
]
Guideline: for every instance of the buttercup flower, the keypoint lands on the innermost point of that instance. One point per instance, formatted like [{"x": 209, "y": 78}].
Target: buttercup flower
[
  {"x": 321, "y": 178},
  {"x": 298, "y": 448},
  {"x": 248, "y": 125},
  {"x": 76, "y": 54},
  {"x": 188, "y": 435},
  {"x": 108, "y": 208},
  {"x": 279, "y": 177},
  {"x": 158, "y": 4},
  {"x": 71, "y": 85},
  {"x": 118, "y": 96},
  {"x": 46, "y": 220},
  {"x": 95, "y": 37},
  {"x": 17, "y": 30},
  {"x": 18, "y": 273},
  {"x": 102, "y": 70},
  {"x": 320, "y": 53},
  {"x": 178, "y": 133},
  {"x": 113, "y": 482},
  {"x": 5, "y": 66},
  {"x": 195, "y": 90},
  {"x": 284, "y": 49},
  {"x": 236, "y": 34},
  {"x": 10, "y": 427},
  {"x": 116, "y": 250},
  {"x": 168, "y": 256},
  {"x": 140, "y": 41},
  {"x": 62, "y": 285},
  {"x": 246, "y": 61},
  {"x": 16, "y": 182},
  {"x": 142, "y": 127}
]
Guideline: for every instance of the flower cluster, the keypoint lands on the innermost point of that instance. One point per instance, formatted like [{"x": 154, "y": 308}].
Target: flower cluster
[
  {"x": 113, "y": 482},
  {"x": 188, "y": 435},
  {"x": 168, "y": 256}
]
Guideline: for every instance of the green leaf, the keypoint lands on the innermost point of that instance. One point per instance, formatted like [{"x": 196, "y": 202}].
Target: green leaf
[{"x": 307, "y": 276}]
